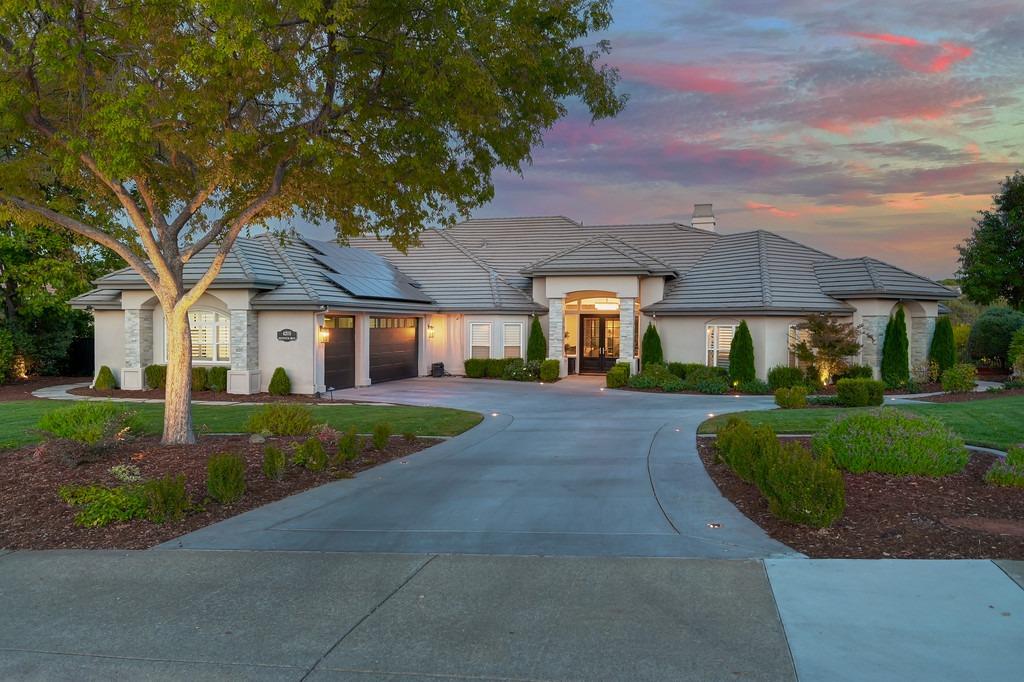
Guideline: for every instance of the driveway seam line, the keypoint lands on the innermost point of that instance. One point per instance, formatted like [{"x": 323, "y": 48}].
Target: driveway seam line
[
  {"x": 150, "y": 659},
  {"x": 650, "y": 478},
  {"x": 366, "y": 616},
  {"x": 1010, "y": 577},
  {"x": 778, "y": 614},
  {"x": 442, "y": 676}
]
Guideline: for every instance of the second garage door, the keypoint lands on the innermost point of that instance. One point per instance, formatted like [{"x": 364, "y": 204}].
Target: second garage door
[{"x": 393, "y": 348}]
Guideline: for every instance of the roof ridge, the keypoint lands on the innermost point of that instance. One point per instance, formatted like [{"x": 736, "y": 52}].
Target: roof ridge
[
  {"x": 766, "y": 278},
  {"x": 519, "y": 217},
  {"x": 606, "y": 238},
  {"x": 279, "y": 249},
  {"x": 791, "y": 241},
  {"x": 484, "y": 265},
  {"x": 905, "y": 272},
  {"x": 566, "y": 250},
  {"x": 869, "y": 266},
  {"x": 644, "y": 253},
  {"x": 240, "y": 255}
]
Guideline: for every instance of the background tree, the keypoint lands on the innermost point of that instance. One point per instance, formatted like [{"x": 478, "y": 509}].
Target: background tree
[
  {"x": 943, "y": 348},
  {"x": 190, "y": 122},
  {"x": 992, "y": 258},
  {"x": 828, "y": 344},
  {"x": 741, "y": 355},
  {"x": 650, "y": 347},
  {"x": 896, "y": 351},
  {"x": 991, "y": 334},
  {"x": 536, "y": 345}
]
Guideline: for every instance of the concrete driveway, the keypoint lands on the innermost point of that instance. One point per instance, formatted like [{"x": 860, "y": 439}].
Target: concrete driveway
[{"x": 558, "y": 469}]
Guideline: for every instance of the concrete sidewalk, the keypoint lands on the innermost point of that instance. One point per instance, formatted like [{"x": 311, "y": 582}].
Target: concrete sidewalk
[{"x": 204, "y": 615}]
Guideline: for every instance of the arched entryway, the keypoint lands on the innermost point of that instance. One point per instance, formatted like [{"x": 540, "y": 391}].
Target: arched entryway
[{"x": 593, "y": 331}]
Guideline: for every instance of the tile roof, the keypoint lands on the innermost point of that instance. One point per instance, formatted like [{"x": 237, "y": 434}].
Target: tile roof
[
  {"x": 846, "y": 277},
  {"x": 603, "y": 254}
]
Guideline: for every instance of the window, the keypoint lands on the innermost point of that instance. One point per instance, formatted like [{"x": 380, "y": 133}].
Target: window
[
  {"x": 332, "y": 322},
  {"x": 719, "y": 343},
  {"x": 480, "y": 340},
  {"x": 513, "y": 340},
  {"x": 211, "y": 336},
  {"x": 392, "y": 323},
  {"x": 796, "y": 335}
]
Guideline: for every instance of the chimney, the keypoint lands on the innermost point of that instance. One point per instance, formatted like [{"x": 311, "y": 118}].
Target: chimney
[{"x": 703, "y": 217}]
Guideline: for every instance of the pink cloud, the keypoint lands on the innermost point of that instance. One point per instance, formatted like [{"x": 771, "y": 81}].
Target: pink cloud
[
  {"x": 772, "y": 210},
  {"x": 682, "y": 78},
  {"x": 915, "y": 55}
]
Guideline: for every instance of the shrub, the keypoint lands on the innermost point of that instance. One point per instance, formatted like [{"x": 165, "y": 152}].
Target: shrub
[
  {"x": 217, "y": 379},
  {"x": 781, "y": 376},
  {"x": 1015, "y": 351},
  {"x": 280, "y": 419},
  {"x": 617, "y": 376},
  {"x": 536, "y": 344},
  {"x": 895, "y": 347},
  {"x": 517, "y": 370},
  {"x": 273, "y": 462},
  {"x": 495, "y": 368},
  {"x": 683, "y": 369},
  {"x": 943, "y": 348},
  {"x": 712, "y": 386},
  {"x": 650, "y": 348},
  {"x": 156, "y": 376},
  {"x": 800, "y": 488},
  {"x": 643, "y": 381},
  {"x": 961, "y": 336},
  {"x": 476, "y": 368},
  {"x": 126, "y": 473},
  {"x": 741, "y": 357},
  {"x": 409, "y": 437},
  {"x": 888, "y": 441},
  {"x": 101, "y": 505},
  {"x": 225, "y": 477},
  {"x": 166, "y": 499},
  {"x": 858, "y": 372},
  {"x": 673, "y": 384},
  {"x": 823, "y": 400},
  {"x": 959, "y": 378},
  {"x": 105, "y": 380},
  {"x": 280, "y": 384},
  {"x": 1008, "y": 472},
  {"x": 991, "y": 334},
  {"x": 326, "y": 434},
  {"x": 741, "y": 446},
  {"x": 812, "y": 378},
  {"x": 791, "y": 398},
  {"x": 311, "y": 455},
  {"x": 349, "y": 446},
  {"x": 860, "y": 392},
  {"x": 381, "y": 435},
  {"x": 1015, "y": 455},
  {"x": 90, "y": 423},
  {"x": 549, "y": 370},
  {"x": 200, "y": 378},
  {"x": 754, "y": 387},
  {"x": 6, "y": 354}
]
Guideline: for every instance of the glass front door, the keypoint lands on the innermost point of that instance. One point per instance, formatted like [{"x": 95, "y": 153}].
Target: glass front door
[{"x": 600, "y": 347}]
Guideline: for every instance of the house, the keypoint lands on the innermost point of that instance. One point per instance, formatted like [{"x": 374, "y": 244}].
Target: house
[{"x": 341, "y": 316}]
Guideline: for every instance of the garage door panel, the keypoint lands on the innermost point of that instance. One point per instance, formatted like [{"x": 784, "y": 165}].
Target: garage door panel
[
  {"x": 393, "y": 349},
  {"x": 340, "y": 353}
]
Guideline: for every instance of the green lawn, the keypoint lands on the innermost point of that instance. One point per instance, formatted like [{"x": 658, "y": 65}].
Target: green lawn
[
  {"x": 996, "y": 423},
  {"x": 19, "y": 418}
]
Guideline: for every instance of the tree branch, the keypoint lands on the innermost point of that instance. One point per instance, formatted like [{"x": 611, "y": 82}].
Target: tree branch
[{"x": 178, "y": 224}]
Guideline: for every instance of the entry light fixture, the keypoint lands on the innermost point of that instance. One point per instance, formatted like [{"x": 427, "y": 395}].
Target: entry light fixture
[
  {"x": 430, "y": 331},
  {"x": 602, "y": 305},
  {"x": 323, "y": 335}
]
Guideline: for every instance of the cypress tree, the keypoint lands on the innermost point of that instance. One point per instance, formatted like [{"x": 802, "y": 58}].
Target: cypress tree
[
  {"x": 536, "y": 346},
  {"x": 650, "y": 349},
  {"x": 741, "y": 355},
  {"x": 895, "y": 360},
  {"x": 943, "y": 349}
]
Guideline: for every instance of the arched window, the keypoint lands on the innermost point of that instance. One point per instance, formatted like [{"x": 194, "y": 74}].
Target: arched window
[{"x": 211, "y": 336}]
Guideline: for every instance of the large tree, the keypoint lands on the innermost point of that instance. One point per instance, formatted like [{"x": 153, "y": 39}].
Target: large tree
[
  {"x": 992, "y": 258},
  {"x": 191, "y": 121}
]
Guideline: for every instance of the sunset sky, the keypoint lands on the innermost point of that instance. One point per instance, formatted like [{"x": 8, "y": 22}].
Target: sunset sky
[{"x": 867, "y": 128}]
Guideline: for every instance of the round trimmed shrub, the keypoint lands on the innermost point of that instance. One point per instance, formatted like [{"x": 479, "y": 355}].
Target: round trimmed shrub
[
  {"x": 105, "y": 380},
  {"x": 549, "y": 370},
  {"x": 617, "y": 376},
  {"x": 791, "y": 398},
  {"x": 782, "y": 376},
  {"x": 959, "y": 378},
  {"x": 476, "y": 368},
  {"x": 889, "y": 441},
  {"x": 280, "y": 384},
  {"x": 859, "y": 392},
  {"x": 225, "y": 477}
]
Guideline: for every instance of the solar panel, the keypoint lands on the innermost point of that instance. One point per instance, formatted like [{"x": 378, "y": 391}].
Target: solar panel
[{"x": 365, "y": 274}]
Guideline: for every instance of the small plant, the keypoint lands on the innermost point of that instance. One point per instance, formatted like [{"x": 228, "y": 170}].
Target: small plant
[
  {"x": 712, "y": 386},
  {"x": 102, "y": 506},
  {"x": 791, "y": 398},
  {"x": 217, "y": 379},
  {"x": 273, "y": 462},
  {"x": 858, "y": 372},
  {"x": 802, "y": 489},
  {"x": 617, "y": 376},
  {"x": 126, "y": 473},
  {"x": 960, "y": 378},
  {"x": 860, "y": 392},
  {"x": 90, "y": 423},
  {"x": 409, "y": 437},
  {"x": 476, "y": 368},
  {"x": 105, "y": 380},
  {"x": 785, "y": 377},
  {"x": 166, "y": 499},
  {"x": 225, "y": 477},
  {"x": 281, "y": 419},
  {"x": 741, "y": 357},
  {"x": 156, "y": 376},
  {"x": 650, "y": 348},
  {"x": 753, "y": 387},
  {"x": 549, "y": 370},
  {"x": 517, "y": 370},
  {"x": 741, "y": 446},
  {"x": 349, "y": 446},
  {"x": 536, "y": 344},
  {"x": 1008, "y": 472},
  {"x": 280, "y": 384},
  {"x": 495, "y": 368},
  {"x": 381, "y": 435},
  {"x": 311, "y": 455},
  {"x": 326, "y": 434}
]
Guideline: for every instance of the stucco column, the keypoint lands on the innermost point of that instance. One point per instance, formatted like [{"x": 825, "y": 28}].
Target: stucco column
[
  {"x": 138, "y": 347},
  {"x": 362, "y": 334},
  {"x": 871, "y": 345},
  {"x": 556, "y": 334},
  {"x": 244, "y": 375},
  {"x": 921, "y": 331},
  {"x": 627, "y": 331}
]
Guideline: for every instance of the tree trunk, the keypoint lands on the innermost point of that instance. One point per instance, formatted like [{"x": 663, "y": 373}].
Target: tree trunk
[{"x": 178, "y": 394}]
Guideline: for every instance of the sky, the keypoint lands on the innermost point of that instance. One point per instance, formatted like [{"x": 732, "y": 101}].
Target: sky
[{"x": 860, "y": 128}]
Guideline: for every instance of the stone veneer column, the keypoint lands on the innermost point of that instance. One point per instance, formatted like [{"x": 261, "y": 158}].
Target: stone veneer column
[
  {"x": 627, "y": 331},
  {"x": 244, "y": 375},
  {"x": 871, "y": 350},
  {"x": 921, "y": 332},
  {"x": 556, "y": 333},
  {"x": 138, "y": 347}
]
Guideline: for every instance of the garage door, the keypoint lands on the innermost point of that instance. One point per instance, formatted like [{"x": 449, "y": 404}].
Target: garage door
[
  {"x": 393, "y": 348},
  {"x": 340, "y": 352}
]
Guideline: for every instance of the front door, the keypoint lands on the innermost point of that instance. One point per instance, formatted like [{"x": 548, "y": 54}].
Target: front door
[{"x": 600, "y": 347}]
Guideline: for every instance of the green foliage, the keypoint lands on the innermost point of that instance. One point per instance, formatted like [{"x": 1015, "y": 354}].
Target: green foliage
[
  {"x": 643, "y": 381},
  {"x": 517, "y": 370},
  {"x": 858, "y": 372},
  {"x": 156, "y": 376},
  {"x": 1015, "y": 351},
  {"x": 860, "y": 392},
  {"x": 6, "y": 355},
  {"x": 102, "y": 505},
  {"x": 1015, "y": 455},
  {"x": 741, "y": 356},
  {"x": 90, "y": 423},
  {"x": 105, "y": 380},
  {"x": 741, "y": 446},
  {"x": 126, "y": 473},
  {"x": 536, "y": 345},
  {"x": 409, "y": 437},
  {"x": 829, "y": 342},
  {"x": 349, "y": 446},
  {"x": 754, "y": 387},
  {"x": 991, "y": 258},
  {"x": 225, "y": 477},
  {"x": 991, "y": 334},
  {"x": 617, "y": 376},
  {"x": 943, "y": 348},
  {"x": 960, "y": 378},
  {"x": 712, "y": 386},
  {"x": 280, "y": 384},
  {"x": 495, "y": 368},
  {"x": 650, "y": 348},
  {"x": 961, "y": 337},
  {"x": 476, "y": 368},
  {"x": 281, "y": 419},
  {"x": 166, "y": 498},
  {"x": 200, "y": 378},
  {"x": 549, "y": 370},
  {"x": 1006, "y": 474},
  {"x": 311, "y": 455},
  {"x": 273, "y": 462},
  {"x": 782, "y": 376},
  {"x": 801, "y": 489},
  {"x": 217, "y": 379},
  {"x": 889, "y": 441},
  {"x": 791, "y": 398},
  {"x": 381, "y": 435},
  {"x": 895, "y": 351}
]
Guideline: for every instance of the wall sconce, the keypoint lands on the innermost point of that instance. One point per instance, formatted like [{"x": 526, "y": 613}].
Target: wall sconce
[
  {"x": 430, "y": 331},
  {"x": 323, "y": 335}
]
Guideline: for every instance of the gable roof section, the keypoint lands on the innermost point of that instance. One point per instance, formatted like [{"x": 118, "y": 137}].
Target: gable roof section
[
  {"x": 365, "y": 274},
  {"x": 601, "y": 254},
  {"x": 848, "y": 277}
]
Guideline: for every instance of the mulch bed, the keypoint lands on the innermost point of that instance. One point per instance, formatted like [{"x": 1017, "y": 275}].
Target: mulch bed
[
  {"x": 32, "y": 515},
  {"x": 21, "y": 389},
  {"x": 954, "y": 517},
  {"x": 220, "y": 396},
  {"x": 974, "y": 395}
]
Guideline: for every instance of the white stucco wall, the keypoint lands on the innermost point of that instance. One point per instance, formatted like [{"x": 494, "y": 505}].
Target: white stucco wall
[
  {"x": 302, "y": 359},
  {"x": 108, "y": 327}
]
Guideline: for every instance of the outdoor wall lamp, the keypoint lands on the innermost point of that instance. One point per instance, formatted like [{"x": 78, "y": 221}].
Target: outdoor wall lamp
[
  {"x": 323, "y": 335},
  {"x": 430, "y": 331}
]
